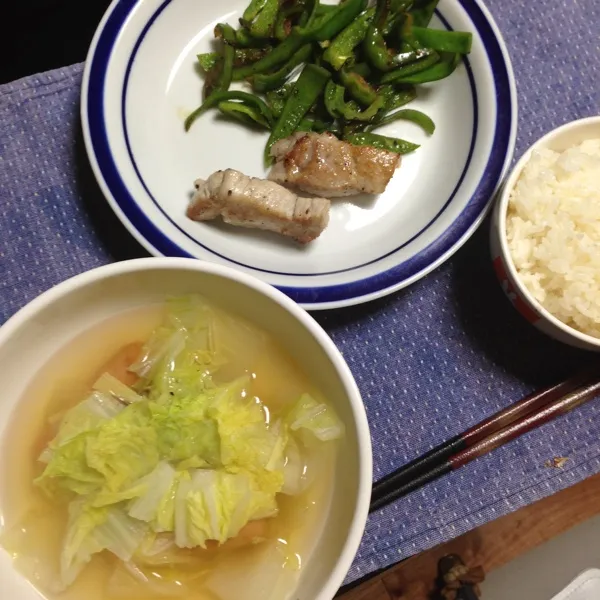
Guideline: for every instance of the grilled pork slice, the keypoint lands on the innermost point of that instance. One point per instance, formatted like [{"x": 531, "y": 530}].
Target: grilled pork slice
[
  {"x": 323, "y": 165},
  {"x": 250, "y": 202}
]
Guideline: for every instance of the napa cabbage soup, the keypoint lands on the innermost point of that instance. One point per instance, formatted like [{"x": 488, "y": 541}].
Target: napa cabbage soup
[{"x": 168, "y": 453}]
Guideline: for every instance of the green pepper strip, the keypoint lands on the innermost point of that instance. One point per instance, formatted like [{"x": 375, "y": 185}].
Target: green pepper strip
[
  {"x": 253, "y": 9},
  {"x": 351, "y": 113},
  {"x": 441, "y": 70},
  {"x": 218, "y": 79},
  {"x": 396, "y": 98},
  {"x": 407, "y": 114},
  {"x": 283, "y": 24},
  {"x": 422, "y": 12},
  {"x": 376, "y": 48},
  {"x": 246, "y": 56},
  {"x": 444, "y": 41},
  {"x": 276, "y": 99},
  {"x": 312, "y": 9},
  {"x": 242, "y": 56},
  {"x": 208, "y": 60},
  {"x": 306, "y": 90},
  {"x": 358, "y": 87},
  {"x": 240, "y": 38},
  {"x": 317, "y": 125},
  {"x": 374, "y": 44},
  {"x": 333, "y": 22},
  {"x": 382, "y": 142},
  {"x": 271, "y": 81},
  {"x": 407, "y": 57},
  {"x": 243, "y": 38},
  {"x": 325, "y": 9},
  {"x": 397, "y": 14},
  {"x": 263, "y": 24},
  {"x": 337, "y": 107},
  {"x": 216, "y": 97},
  {"x": 244, "y": 113},
  {"x": 342, "y": 46},
  {"x": 275, "y": 58},
  {"x": 225, "y": 32},
  {"x": 361, "y": 69},
  {"x": 402, "y": 74},
  {"x": 334, "y": 98}
]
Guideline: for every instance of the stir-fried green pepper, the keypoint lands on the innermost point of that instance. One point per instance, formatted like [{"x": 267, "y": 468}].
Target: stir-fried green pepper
[
  {"x": 216, "y": 97},
  {"x": 395, "y": 98},
  {"x": 246, "y": 56},
  {"x": 396, "y": 15},
  {"x": 271, "y": 81},
  {"x": 407, "y": 56},
  {"x": 382, "y": 142},
  {"x": 264, "y": 23},
  {"x": 440, "y": 70},
  {"x": 243, "y": 39},
  {"x": 358, "y": 87},
  {"x": 401, "y": 74},
  {"x": 422, "y": 11},
  {"x": 253, "y": 9},
  {"x": 342, "y": 46},
  {"x": 334, "y": 98},
  {"x": 276, "y": 99},
  {"x": 208, "y": 60},
  {"x": 361, "y": 69},
  {"x": 406, "y": 114},
  {"x": 304, "y": 94},
  {"x": 316, "y": 125},
  {"x": 240, "y": 38},
  {"x": 377, "y": 51},
  {"x": 444, "y": 41},
  {"x": 274, "y": 59},
  {"x": 377, "y": 55},
  {"x": 337, "y": 106},
  {"x": 374, "y": 44},
  {"x": 283, "y": 24},
  {"x": 225, "y": 32},
  {"x": 334, "y": 21},
  {"x": 241, "y": 57},
  {"x": 352, "y": 113},
  {"x": 325, "y": 9},
  {"x": 218, "y": 79},
  {"x": 244, "y": 113}
]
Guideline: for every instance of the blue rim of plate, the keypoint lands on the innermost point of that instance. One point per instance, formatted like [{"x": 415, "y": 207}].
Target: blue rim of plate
[{"x": 388, "y": 280}]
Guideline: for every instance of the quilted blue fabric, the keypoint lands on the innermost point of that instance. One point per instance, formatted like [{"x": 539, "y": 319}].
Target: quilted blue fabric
[{"x": 430, "y": 361}]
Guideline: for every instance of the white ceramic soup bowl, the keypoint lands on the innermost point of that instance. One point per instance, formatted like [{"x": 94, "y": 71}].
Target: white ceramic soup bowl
[
  {"x": 61, "y": 314},
  {"x": 566, "y": 136}
]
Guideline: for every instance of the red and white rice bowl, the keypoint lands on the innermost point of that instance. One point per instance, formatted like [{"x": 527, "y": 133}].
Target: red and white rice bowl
[{"x": 520, "y": 286}]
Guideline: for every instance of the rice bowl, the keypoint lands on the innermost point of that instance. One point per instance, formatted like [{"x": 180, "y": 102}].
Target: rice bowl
[
  {"x": 553, "y": 232},
  {"x": 545, "y": 234}
]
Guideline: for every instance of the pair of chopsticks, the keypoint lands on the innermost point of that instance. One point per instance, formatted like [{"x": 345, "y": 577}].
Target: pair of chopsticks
[{"x": 506, "y": 425}]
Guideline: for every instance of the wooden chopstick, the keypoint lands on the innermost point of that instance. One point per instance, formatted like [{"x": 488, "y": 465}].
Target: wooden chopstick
[{"x": 518, "y": 418}]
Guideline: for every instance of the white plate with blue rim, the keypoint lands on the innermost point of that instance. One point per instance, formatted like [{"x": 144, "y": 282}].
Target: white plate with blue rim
[{"x": 140, "y": 83}]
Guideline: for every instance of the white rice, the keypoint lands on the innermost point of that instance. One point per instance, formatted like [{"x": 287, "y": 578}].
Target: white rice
[{"x": 553, "y": 231}]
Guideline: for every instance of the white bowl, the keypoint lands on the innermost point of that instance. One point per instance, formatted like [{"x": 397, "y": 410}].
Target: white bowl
[
  {"x": 566, "y": 136},
  {"x": 140, "y": 83},
  {"x": 59, "y": 315}
]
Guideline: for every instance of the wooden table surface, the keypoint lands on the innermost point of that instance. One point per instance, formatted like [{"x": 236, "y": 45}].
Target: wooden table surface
[{"x": 490, "y": 546}]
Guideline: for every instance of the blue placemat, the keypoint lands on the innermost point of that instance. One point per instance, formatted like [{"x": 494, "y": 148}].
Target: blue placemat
[{"x": 430, "y": 361}]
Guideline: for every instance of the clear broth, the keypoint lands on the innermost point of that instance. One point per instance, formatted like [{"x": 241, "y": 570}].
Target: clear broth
[{"x": 33, "y": 527}]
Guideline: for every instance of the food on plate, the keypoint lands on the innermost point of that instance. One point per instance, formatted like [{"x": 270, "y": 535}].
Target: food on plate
[
  {"x": 179, "y": 467},
  {"x": 358, "y": 65},
  {"x": 553, "y": 232},
  {"x": 322, "y": 164},
  {"x": 258, "y": 203}
]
